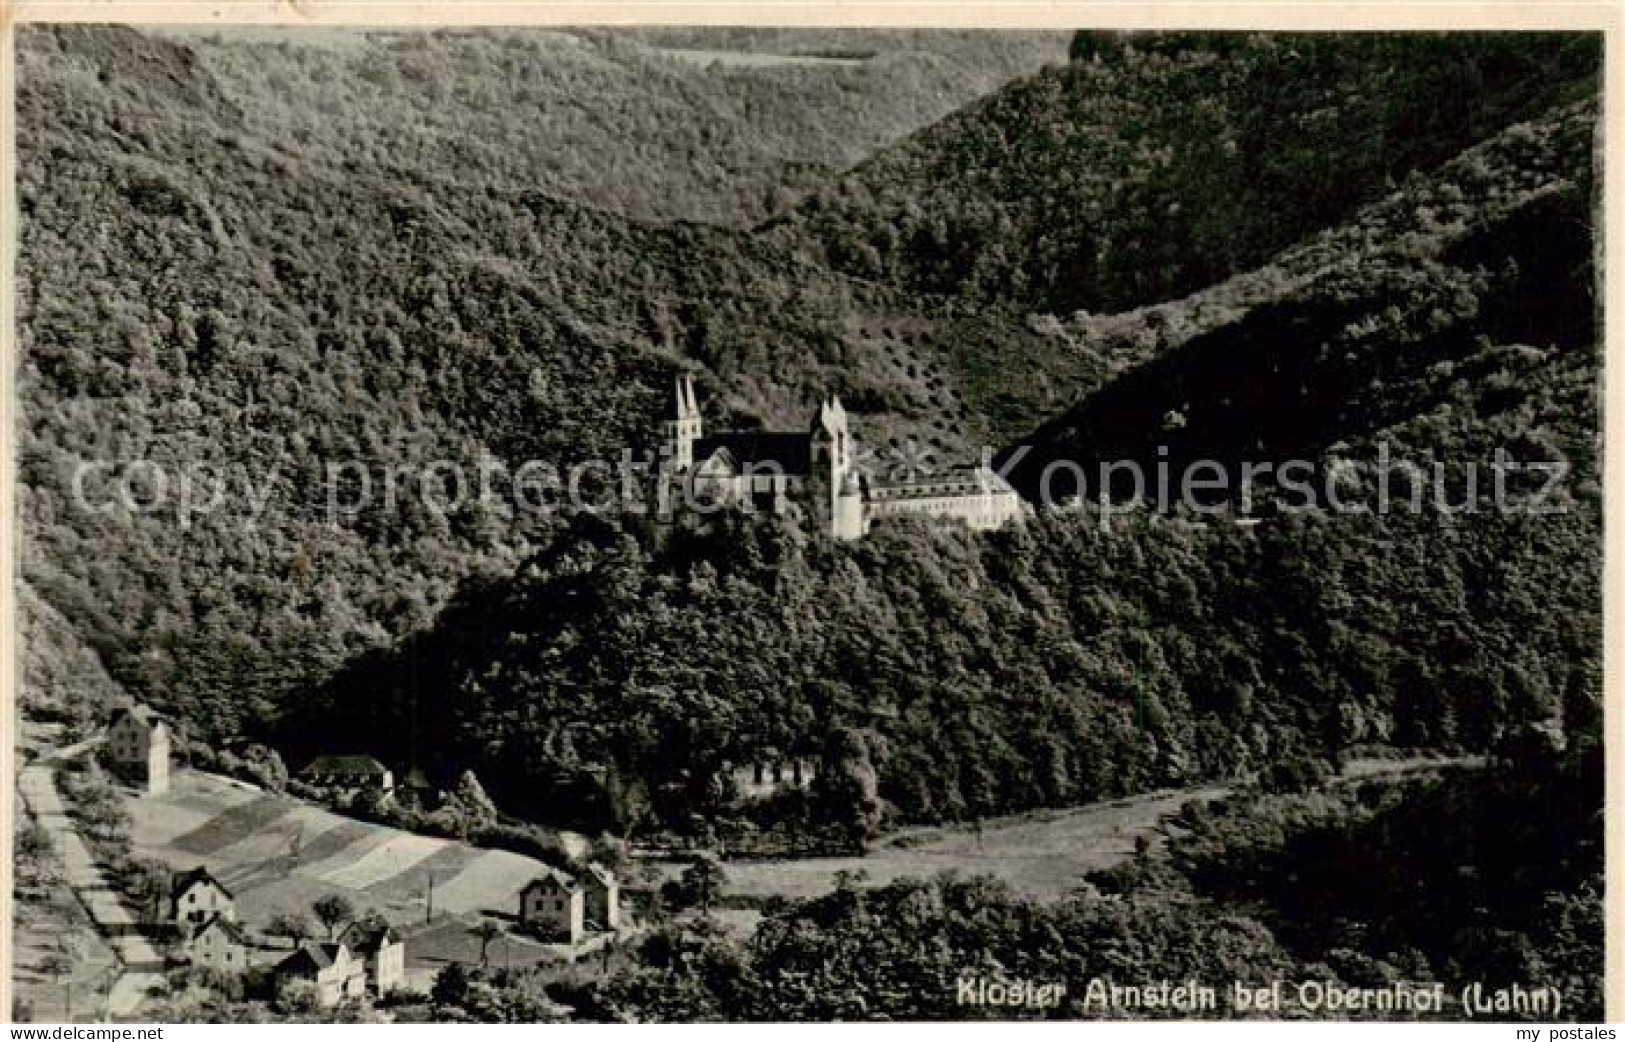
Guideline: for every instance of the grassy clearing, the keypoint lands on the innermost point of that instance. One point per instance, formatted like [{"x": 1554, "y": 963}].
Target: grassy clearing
[
  {"x": 1044, "y": 854},
  {"x": 453, "y": 941},
  {"x": 490, "y": 884}
]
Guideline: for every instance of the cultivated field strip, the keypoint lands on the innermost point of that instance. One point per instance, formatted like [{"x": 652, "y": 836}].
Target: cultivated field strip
[
  {"x": 232, "y": 825},
  {"x": 278, "y": 854},
  {"x": 444, "y": 864},
  {"x": 397, "y": 854}
]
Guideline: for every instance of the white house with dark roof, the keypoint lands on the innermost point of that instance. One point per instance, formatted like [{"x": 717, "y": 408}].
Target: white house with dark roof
[
  {"x": 329, "y": 967},
  {"x": 138, "y": 747},
  {"x": 219, "y": 944},
  {"x": 554, "y": 907},
  {"x": 380, "y": 951},
  {"x": 197, "y": 896}
]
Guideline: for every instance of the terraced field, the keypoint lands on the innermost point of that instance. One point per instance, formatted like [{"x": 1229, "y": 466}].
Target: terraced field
[{"x": 276, "y": 854}]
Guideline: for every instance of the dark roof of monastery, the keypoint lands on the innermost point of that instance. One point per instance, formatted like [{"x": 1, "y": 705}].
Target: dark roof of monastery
[
  {"x": 790, "y": 451},
  {"x": 959, "y": 481}
]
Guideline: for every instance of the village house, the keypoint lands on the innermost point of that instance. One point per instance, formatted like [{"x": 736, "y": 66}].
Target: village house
[
  {"x": 349, "y": 774},
  {"x": 196, "y": 897},
  {"x": 219, "y": 944},
  {"x": 328, "y": 967},
  {"x": 138, "y": 747},
  {"x": 381, "y": 952},
  {"x": 553, "y": 907},
  {"x": 603, "y": 904}
]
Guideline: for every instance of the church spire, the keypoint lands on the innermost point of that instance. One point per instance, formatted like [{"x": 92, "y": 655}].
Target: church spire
[{"x": 683, "y": 429}]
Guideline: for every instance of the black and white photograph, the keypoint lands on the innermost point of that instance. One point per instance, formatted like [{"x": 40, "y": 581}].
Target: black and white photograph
[{"x": 672, "y": 523}]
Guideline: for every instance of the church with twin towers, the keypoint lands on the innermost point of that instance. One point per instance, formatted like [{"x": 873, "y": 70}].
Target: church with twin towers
[{"x": 819, "y": 469}]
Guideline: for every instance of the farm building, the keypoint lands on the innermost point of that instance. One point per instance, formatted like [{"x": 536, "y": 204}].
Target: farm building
[
  {"x": 553, "y": 906},
  {"x": 219, "y": 944},
  {"x": 381, "y": 952},
  {"x": 329, "y": 967},
  {"x": 138, "y": 747},
  {"x": 349, "y": 774},
  {"x": 197, "y": 897}
]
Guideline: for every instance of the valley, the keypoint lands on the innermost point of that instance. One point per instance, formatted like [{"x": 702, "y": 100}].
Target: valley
[{"x": 1091, "y": 743}]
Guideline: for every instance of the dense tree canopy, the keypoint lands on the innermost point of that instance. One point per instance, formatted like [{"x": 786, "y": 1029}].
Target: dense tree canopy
[{"x": 978, "y": 674}]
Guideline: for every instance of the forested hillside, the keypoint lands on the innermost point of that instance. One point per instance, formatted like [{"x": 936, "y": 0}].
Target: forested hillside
[
  {"x": 1099, "y": 205},
  {"x": 721, "y": 126},
  {"x": 211, "y": 278},
  {"x": 961, "y": 676},
  {"x": 1452, "y": 318},
  {"x": 1448, "y": 319},
  {"x": 249, "y": 261},
  {"x": 219, "y": 271},
  {"x": 1158, "y": 163}
]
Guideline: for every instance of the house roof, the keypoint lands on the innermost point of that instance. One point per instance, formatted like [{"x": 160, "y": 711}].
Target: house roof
[
  {"x": 186, "y": 880},
  {"x": 140, "y": 713},
  {"x": 789, "y": 451},
  {"x": 600, "y": 874},
  {"x": 312, "y": 957},
  {"x": 351, "y": 764},
  {"x": 552, "y": 879},
  {"x": 369, "y": 936},
  {"x": 229, "y": 927}
]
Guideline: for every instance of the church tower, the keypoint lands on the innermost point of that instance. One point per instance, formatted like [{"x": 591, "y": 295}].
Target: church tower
[
  {"x": 832, "y": 445},
  {"x": 831, "y": 441},
  {"x": 846, "y": 518},
  {"x": 683, "y": 429}
]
